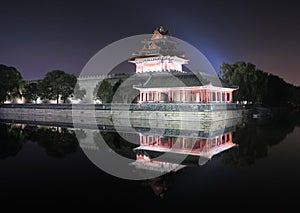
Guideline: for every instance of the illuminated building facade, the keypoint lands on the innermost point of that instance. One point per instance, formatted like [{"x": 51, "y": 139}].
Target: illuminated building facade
[
  {"x": 159, "y": 58},
  {"x": 180, "y": 149}
]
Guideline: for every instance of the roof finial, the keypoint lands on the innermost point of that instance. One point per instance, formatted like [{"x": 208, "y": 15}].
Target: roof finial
[{"x": 162, "y": 31}]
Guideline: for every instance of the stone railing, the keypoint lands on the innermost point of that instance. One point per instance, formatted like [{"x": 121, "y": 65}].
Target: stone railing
[{"x": 175, "y": 107}]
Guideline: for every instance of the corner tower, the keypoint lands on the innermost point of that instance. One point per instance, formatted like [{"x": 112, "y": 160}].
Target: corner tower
[{"x": 159, "y": 54}]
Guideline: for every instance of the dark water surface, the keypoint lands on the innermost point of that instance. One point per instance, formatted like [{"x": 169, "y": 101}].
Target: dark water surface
[{"x": 45, "y": 166}]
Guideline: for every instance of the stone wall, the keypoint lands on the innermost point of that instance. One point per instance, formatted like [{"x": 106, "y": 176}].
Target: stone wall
[{"x": 120, "y": 115}]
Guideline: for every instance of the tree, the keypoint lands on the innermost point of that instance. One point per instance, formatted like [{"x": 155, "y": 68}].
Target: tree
[
  {"x": 57, "y": 84},
  {"x": 294, "y": 95},
  {"x": 104, "y": 91},
  {"x": 10, "y": 83},
  {"x": 121, "y": 91},
  {"x": 255, "y": 139},
  {"x": 31, "y": 91},
  {"x": 79, "y": 93},
  {"x": 57, "y": 142},
  {"x": 252, "y": 82},
  {"x": 278, "y": 93},
  {"x": 11, "y": 140},
  {"x": 68, "y": 86},
  {"x": 124, "y": 91}
]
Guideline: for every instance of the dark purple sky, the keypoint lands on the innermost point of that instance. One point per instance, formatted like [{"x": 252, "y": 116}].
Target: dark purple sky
[{"x": 39, "y": 36}]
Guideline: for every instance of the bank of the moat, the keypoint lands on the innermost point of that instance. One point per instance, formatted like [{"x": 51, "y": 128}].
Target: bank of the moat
[{"x": 117, "y": 113}]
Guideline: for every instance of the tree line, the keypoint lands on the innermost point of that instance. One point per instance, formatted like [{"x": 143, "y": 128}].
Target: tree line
[
  {"x": 257, "y": 86},
  {"x": 254, "y": 86},
  {"x": 56, "y": 85},
  {"x": 121, "y": 91},
  {"x": 15, "y": 136}
]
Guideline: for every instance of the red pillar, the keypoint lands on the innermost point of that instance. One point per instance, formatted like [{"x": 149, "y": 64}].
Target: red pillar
[
  {"x": 169, "y": 142},
  {"x": 141, "y": 139},
  {"x": 180, "y": 96},
  {"x": 207, "y": 96},
  {"x": 201, "y": 97},
  {"x": 147, "y": 97},
  {"x": 216, "y": 96},
  {"x": 158, "y": 96},
  {"x": 152, "y": 96},
  {"x": 183, "y": 145},
  {"x": 222, "y": 97},
  {"x": 200, "y": 145},
  {"x": 220, "y": 140},
  {"x": 183, "y": 96}
]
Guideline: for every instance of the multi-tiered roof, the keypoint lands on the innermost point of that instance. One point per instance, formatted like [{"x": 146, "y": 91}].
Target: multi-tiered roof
[{"x": 159, "y": 53}]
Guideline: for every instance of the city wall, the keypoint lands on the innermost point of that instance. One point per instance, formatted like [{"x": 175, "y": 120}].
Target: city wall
[{"x": 164, "y": 115}]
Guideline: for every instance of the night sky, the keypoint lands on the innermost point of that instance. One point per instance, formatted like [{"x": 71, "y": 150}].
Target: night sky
[{"x": 39, "y": 36}]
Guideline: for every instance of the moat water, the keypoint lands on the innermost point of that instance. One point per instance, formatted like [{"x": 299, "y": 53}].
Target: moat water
[{"x": 46, "y": 166}]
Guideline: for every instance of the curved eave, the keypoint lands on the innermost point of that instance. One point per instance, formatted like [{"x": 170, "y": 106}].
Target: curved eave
[
  {"x": 186, "y": 88},
  {"x": 179, "y": 58}
]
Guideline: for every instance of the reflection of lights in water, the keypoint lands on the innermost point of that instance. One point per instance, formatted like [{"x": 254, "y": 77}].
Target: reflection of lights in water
[
  {"x": 198, "y": 150},
  {"x": 143, "y": 161},
  {"x": 193, "y": 146},
  {"x": 203, "y": 148}
]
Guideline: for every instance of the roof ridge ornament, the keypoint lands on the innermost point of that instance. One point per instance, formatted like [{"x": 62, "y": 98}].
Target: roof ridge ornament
[{"x": 162, "y": 31}]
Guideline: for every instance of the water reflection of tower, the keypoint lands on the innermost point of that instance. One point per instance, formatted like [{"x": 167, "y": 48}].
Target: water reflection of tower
[{"x": 198, "y": 147}]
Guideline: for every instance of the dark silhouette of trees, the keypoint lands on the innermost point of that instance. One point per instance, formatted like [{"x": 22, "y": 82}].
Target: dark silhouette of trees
[
  {"x": 10, "y": 83},
  {"x": 252, "y": 82},
  {"x": 58, "y": 142},
  {"x": 124, "y": 91},
  {"x": 57, "y": 84},
  {"x": 255, "y": 138},
  {"x": 12, "y": 140},
  {"x": 79, "y": 93},
  {"x": 104, "y": 91},
  {"x": 121, "y": 91},
  {"x": 31, "y": 92},
  {"x": 257, "y": 86},
  {"x": 280, "y": 93}
]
